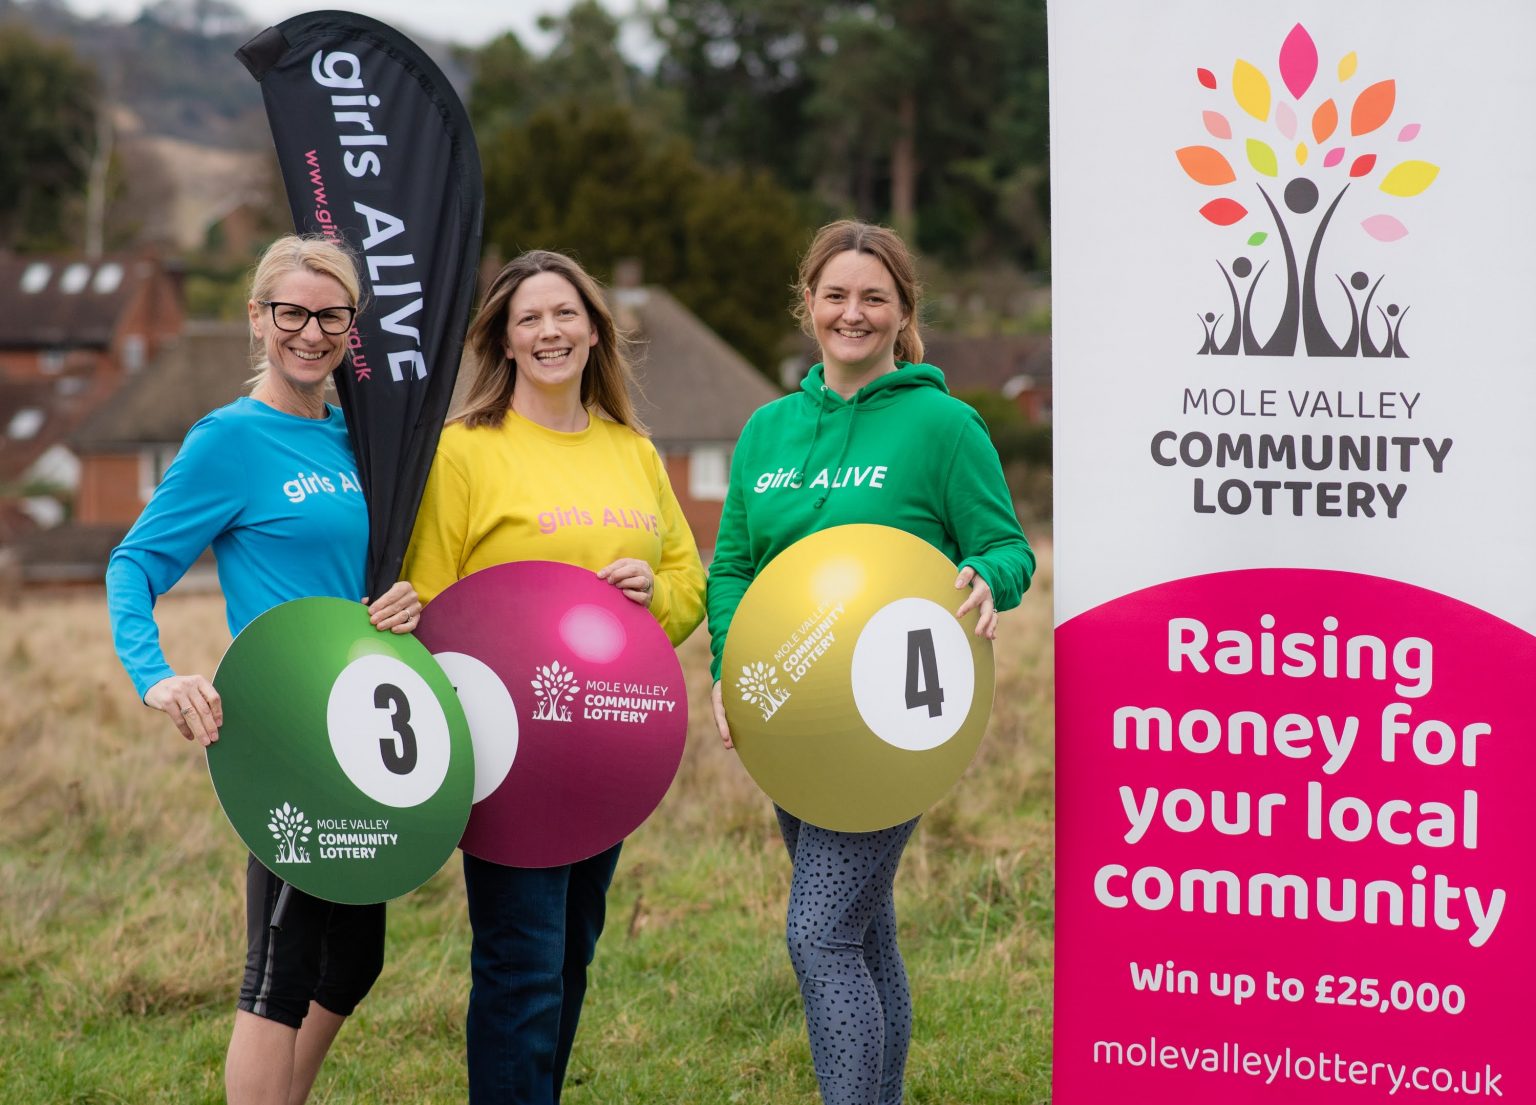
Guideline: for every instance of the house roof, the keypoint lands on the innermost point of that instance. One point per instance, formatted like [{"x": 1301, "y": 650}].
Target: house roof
[
  {"x": 68, "y": 554},
  {"x": 990, "y": 363},
  {"x": 693, "y": 386},
  {"x": 66, "y": 301},
  {"x": 1000, "y": 363},
  {"x": 38, "y": 414},
  {"x": 205, "y": 368}
]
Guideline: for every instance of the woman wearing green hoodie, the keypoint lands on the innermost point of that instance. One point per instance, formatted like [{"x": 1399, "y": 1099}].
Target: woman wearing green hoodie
[{"x": 869, "y": 406}]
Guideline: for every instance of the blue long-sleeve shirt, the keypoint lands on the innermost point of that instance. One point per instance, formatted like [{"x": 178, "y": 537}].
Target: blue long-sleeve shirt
[{"x": 276, "y": 495}]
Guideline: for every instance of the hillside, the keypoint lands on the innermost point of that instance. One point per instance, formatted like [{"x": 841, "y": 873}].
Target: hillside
[
  {"x": 174, "y": 67},
  {"x": 191, "y": 139}
]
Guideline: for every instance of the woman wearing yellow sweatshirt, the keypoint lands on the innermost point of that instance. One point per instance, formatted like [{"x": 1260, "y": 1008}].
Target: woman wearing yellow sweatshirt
[{"x": 547, "y": 449}]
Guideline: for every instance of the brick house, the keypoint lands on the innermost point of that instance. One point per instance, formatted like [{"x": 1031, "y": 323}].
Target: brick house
[
  {"x": 695, "y": 395},
  {"x": 126, "y": 447},
  {"x": 1015, "y": 366},
  {"x": 72, "y": 332}
]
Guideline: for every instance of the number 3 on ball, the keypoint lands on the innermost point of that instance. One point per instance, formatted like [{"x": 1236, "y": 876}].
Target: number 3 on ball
[{"x": 388, "y": 731}]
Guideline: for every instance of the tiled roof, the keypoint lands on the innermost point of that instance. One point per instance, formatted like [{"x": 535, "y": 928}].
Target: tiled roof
[
  {"x": 65, "y": 301},
  {"x": 38, "y": 414},
  {"x": 989, "y": 363},
  {"x": 693, "y": 386},
  {"x": 203, "y": 369},
  {"x": 68, "y": 554}
]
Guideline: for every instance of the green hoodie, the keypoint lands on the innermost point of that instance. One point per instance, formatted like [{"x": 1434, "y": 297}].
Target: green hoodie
[{"x": 902, "y": 452}]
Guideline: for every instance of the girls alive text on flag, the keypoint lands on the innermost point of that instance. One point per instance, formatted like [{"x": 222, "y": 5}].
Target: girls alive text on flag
[{"x": 376, "y": 149}]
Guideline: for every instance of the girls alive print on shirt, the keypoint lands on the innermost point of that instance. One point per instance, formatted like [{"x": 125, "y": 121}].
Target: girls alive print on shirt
[{"x": 552, "y": 521}]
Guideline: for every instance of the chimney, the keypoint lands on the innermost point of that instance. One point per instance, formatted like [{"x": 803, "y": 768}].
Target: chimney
[
  {"x": 628, "y": 272},
  {"x": 628, "y": 293}
]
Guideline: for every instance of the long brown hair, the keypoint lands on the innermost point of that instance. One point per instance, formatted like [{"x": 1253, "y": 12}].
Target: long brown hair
[
  {"x": 604, "y": 381},
  {"x": 881, "y": 243}
]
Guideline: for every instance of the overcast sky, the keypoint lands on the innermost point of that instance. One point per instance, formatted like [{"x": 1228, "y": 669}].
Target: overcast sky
[{"x": 469, "y": 22}]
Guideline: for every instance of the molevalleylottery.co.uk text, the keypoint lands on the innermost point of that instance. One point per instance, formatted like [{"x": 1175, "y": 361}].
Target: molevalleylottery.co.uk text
[{"x": 1287, "y": 1065}]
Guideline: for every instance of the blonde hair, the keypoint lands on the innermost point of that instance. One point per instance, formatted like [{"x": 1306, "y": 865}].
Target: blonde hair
[
  {"x": 289, "y": 254},
  {"x": 605, "y": 380},
  {"x": 881, "y": 243}
]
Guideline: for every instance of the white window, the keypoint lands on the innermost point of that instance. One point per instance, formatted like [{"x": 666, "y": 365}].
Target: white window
[
  {"x": 108, "y": 277},
  {"x": 25, "y": 423},
  {"x": 133, "y": 352},
  {"x": 75, "y": 278},
  {"x": 709, "y": 468},
  {"x": 51, "y": 361},
  {"x": 153, "y": 462},
  {"x": 58, "y": 466},
  {"x": 35, "y": 277}
]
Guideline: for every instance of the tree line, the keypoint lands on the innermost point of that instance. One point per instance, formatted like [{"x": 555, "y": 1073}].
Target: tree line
[{"x": 759, "y": 120}]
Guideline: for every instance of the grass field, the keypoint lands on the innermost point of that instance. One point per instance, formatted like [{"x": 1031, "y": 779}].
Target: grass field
[{"x": 122, "y": 931}]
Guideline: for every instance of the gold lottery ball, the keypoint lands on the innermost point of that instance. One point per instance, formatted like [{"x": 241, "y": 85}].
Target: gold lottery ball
[{"x": 855, "y": 696}]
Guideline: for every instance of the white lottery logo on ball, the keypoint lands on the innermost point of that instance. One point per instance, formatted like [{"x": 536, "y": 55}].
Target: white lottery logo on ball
[
  {"x": 913, "y": 675},
  {"x": 492, "y": 718},
  {"x": 388, "y": 731}
]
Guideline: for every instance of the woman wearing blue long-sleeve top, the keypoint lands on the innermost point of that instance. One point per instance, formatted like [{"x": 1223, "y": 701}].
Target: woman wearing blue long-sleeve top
[{"x": 270, "y": 483}]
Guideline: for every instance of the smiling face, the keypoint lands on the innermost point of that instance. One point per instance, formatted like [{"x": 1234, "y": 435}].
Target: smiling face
[
  {"x": 856, "y": 314},
  {"x": 301, "y": 360},
  {"x": 549, "y": 333}
]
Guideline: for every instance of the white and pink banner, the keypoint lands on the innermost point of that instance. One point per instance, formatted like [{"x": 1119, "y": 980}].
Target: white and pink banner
[{"x": 1296, "y": 550}]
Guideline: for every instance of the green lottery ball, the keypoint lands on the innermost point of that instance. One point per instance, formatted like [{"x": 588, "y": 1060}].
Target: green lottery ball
[
  {"x": 344, "y": 761},
  {"x": 855, "y": 696}
]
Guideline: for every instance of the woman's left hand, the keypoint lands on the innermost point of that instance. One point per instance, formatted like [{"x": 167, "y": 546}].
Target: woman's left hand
[
  {"x": 980, "y": 598},
  {"x": 632, "y": 577},
  {"x": 398, "y": 609}
]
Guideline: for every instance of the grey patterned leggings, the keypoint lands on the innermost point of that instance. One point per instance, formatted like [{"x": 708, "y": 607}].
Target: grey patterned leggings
[{"x": 842, "y": 941}]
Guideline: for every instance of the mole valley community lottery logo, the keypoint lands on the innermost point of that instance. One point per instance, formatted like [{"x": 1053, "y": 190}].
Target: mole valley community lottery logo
[
  {"x": 291, "y": 829},
  {"x": 556, "y": 687},
  {"x": 601, "y": 699},
  {"x": 351, "y": 838},
  {"x": 759, "y": 685},
  {"x": 1320, "y": 159}
]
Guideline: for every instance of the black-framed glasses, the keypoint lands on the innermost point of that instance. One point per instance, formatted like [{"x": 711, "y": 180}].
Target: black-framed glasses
[{"x": 293, "y": 318}]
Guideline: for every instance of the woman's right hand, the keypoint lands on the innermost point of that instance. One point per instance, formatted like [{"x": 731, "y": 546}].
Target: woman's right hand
[
  {"x": 721, "y": 724},
  {"x": 192, "y": 705}
]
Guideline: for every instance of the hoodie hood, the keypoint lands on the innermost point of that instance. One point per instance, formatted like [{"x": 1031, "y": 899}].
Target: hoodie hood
[
  {"x": 880, "y": 391},
  {"x": 899, "y": 452}
]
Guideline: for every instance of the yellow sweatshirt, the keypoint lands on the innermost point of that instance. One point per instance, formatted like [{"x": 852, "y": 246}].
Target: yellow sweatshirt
[{"x": 524, "y": 492}]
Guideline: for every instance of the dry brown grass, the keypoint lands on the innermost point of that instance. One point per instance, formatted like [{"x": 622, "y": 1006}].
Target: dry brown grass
[{"x": 121, "y": 899}]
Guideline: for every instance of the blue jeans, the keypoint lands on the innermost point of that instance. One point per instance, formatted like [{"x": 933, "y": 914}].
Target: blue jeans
[{"x": 535, "y": 932}]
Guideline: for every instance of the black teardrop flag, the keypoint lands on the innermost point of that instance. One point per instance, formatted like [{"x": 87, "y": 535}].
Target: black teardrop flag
[{"x": 375, "y": 148}]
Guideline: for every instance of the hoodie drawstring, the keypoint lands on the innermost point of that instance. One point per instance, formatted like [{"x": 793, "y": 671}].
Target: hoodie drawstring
[
  {"x": 821, "y": 406},
  {"x": 853, "y": 410}
]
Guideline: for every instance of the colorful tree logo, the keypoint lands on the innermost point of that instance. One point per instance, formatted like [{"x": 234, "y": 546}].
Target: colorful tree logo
[
  {"x": 1345, "y": 162},
  {"x": 757, "y": 683},
  {"x": 556, "y": 686},
  {"x": 291, "y": 829}
]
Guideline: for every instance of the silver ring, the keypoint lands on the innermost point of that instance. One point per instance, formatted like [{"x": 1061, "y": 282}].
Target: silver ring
[{"x": 185, "y": 710}]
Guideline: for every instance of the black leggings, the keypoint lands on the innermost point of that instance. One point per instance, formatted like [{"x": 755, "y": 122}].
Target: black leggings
[{"x": 325, "y": 952}]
